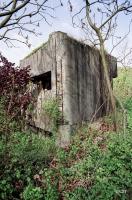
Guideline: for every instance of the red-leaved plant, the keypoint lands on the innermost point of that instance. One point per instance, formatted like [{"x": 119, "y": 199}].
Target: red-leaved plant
[{"x": 13, "y": 88}]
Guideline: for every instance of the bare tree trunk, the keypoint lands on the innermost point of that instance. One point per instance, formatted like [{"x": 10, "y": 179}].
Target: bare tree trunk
[
  {"x": 108, "y": 82},
  {"x": 104, "y": 61}
]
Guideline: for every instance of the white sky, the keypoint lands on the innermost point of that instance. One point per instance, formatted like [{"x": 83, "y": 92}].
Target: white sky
[{"x": 62, "y": 22}]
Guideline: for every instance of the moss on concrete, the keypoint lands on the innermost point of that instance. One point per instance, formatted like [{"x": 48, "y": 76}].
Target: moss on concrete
[{"x": 36, "y": 49}]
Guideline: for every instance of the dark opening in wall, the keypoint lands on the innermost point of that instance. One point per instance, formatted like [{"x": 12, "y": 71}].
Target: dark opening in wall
[{"x": 45, "y": 80}]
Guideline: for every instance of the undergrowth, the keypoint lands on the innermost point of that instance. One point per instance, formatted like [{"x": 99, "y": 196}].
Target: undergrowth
[{"x": 96, "y": 166}]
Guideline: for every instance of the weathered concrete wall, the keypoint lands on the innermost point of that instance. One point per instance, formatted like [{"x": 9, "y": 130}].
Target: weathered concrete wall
[
  {"x": 77, "y": 79},
  {"x": 49, "y": 57},
  {"x": 83, "y": 94},
  {"x": 82, "y": 82}
]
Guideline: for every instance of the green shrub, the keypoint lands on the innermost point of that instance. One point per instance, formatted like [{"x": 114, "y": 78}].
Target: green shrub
[
  {"x": 22, "y": 157},
  {"x": 32, "y": 148},
  {"x": 32, "y": 192},
  {"x": 128, "y": 107},
  {"x": 77, "y": 194},
  {"x": 113, "y": 178},
  {"x": 123, "y": 84},
  {"x": 51, "y": 181},
  {"x": 51, "y": 108}
]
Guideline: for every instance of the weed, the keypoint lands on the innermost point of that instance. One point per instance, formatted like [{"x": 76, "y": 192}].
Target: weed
[{"x": 51, "y": 108}]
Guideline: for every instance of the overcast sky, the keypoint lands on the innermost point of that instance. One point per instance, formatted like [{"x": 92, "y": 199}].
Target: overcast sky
[{"x": 62, "y": 22}]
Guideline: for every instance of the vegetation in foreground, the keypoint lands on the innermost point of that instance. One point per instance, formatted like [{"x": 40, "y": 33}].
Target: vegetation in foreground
[{"x": 96, "y": 166}]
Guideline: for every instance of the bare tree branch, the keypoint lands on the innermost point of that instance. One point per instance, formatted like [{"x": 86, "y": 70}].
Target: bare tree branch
[
  {"x": 107, "y": 24},
  {"x": 24, "y": 16}
]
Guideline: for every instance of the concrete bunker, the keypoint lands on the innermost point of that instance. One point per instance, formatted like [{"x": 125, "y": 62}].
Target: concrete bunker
[{"x": 70, "y": 72}]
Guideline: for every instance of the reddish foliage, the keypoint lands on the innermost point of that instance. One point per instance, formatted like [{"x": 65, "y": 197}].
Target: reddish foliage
[{"x": 13, "y": 87}]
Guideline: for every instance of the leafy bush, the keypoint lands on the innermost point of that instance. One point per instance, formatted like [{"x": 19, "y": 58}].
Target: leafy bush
[
  {"x": 113, "y": 178},
  {"x": 13, "y": 88},
  {"x": 23, "y": 160},
  {"x": 123, "y": 84},
  {"x": 51, "y": 108},
  {"x": 32, "y": 148},
  {"x": 128, "y": 107},
  {"x": 32, "y": 192}
]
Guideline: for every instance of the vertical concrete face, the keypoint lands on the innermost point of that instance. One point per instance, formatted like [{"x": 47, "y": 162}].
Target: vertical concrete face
[
  {"x": 50, "y": 57},
  {"x": 84, "y": 82},
  {"x": 77, "y": 81}
]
